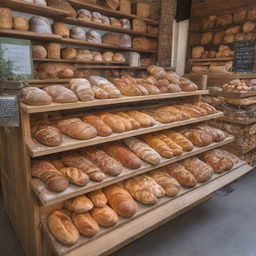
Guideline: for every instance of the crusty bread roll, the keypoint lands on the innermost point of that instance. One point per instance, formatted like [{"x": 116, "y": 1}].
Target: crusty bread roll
[
  {"x": 105, "y": 216},
  {"x": 79, "y": 204},
  {"x": 68, "y": 53},
  {"x": 206, "y": 38},
  {"x": 97, "y": 56},
  {"x": 62, "y": 228},
  {"x": 120, "y": 200},
  {"x": 20, "y": 23},
  {"x": 248, "y": 26},
  {"x": 94, "y": 37},
  {"x": 62, "y": 5},
  {"x": 197, "y": 52},
  {"x": 82, "y": 89},
  {"x": 139, "y": 25},
  {"x": 126, "y": 23},
  {"x": 96, "y": 17},
  {"x": 5, "y": 18},
  {"x": 46, "y": 71},
  {"x": 105, "y": 20},
  {"x": 84, "y": 55},
  {"x": 39, "y": 52},
  {"x": 115, "y": 22},
  {"x": 98, "y": 198},
  {"x": 84, "y": 14},
  {"x": 40, "y": 25},
  {"x": 85, "y": 224},
  {"x": 118, "y": 57},
  {"x": 77, "y": 33},
  {"x": 125, "y": 6},
  {"x": 61, "y": 29},
  {"x": 108, "y": 56},
  {"x": 66, "y": 73},
  {"x": 35, "y": 96},
  {"x": 53, "y": 51}
]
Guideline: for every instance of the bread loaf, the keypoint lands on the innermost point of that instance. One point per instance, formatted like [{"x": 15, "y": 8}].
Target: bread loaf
[
  {"x": 75, "y": 128},
  {"x": 224, "y": 20},
  {"x": 46, "y": 172},
  {"x": 233, "y": 30},
  {"x": 139, "y": 25},
  {"x": 68, "y": 53},
  {"x": 61, "y": 94},
  {"x": 120, "y": 201},
  {"x": 216, "y": 134},
  {"x": 98, "y": 198},
  {"x": 106, "y": 163},
  {"x": 107, "y": 86},
  {"x": 102, "y": 128},
  {"x": 38, "y": 52},
  {"x": 141, "y": 9},
  {"x": 35, "y": 96},
  {"x": 125, "y": 6},
  {"x": 77, "y": 33},
  {"x": 122, "y": 155},
  {"x": 186, "y": 85},
  {"x": 100, "y": 93},
  {"x": 61, "y": 29},
  {"x": 167, "y": 182},
  {"x": 201, "y": 171},
  {"x": 46, "y": 71},
  {"x": 144, "y": 189},
  {"x": 93, "y": 37},
  {"x": 62, "y": 5},
  {"x": 118, "y": 57},
  {"x": 181, "y": 174},
  {"x": 40, "y": 25},
  {"x": 5, "y": 18},
  {"x": 197, "y": 52},
  {"x": 239, "y": 37},
  {"x": 85, "y": 224},
  {"x": 179, "y": 139},
  {"x": 78, "y": 161},
  {"x": 105, "y": 20},
  {"x": 248, "y": 26},
  {"x": 113, "y": 121},
  {"x": 217, "y": 160},
  {"x": 135, "y": 124},
  {"x": 115, "y": 22},
  {"x": 113, "y": 4},
  {"x": 142, "y": 150},
  {"x": 228, "y": 39},
  {"x": 107, "y": 56},
  {"x": 47, "y": 134},
  {"x": 84, "y": 15},
  {"x": 161, "y": 116},
  {"x": 53, "y": 51},
  {"x": 156, "y": 71},
  {"x": 62, "y": 228},
  {"x": 20, "y": 23},
  {"x": 79, "y": 204},
  {"x": 239, "y": 15},
  {"x": 126, "y": 24},
  {"x": 206, "y": 38},
  {"x": 160, "y": 146},
  {"x": 75, "y": 176},
  {"x": 82, "y": 89},
  {"x": 218, "y": 37},
  {"x": 105, "y": 216},
  {"x": 125, "y": 40},
  {"x": 66, "y": 73},
  {"x": 144, "y": 119},
  {"x": 97, "y": 56},
  {"x": 84, "y": 55},
  {"x": 96, "y": 17}
]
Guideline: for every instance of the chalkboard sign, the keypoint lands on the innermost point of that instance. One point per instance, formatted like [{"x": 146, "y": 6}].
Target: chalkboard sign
[
  {"x": 9, "y": 111},
  {"x": 244, "y": 57},
  {"x": 19, "y": 52}
]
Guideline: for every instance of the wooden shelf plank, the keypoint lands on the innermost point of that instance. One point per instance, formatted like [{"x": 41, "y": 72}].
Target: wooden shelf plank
[
  {"x": 224, "y": 75},
  {"x": 30, "y": 35},
  {"x": 244, "y": 94},
  {"x": 36, "y": 149},
  {"x": 47, "y": 197},
  {"x": 107, "y": 46},
  {"x": 212, "y": 59},
  {"x": 80, "y": 66},
  {"x": 146, "y": 219},
  {"x": 108, "y": 11},
  {"x": 22, "y": 6},
  {"x": 87, "y": 104},
  {"x": 80, "y": 61},
  {"x": 48, "y": 81},
  {"x": 101, "y": 26}
]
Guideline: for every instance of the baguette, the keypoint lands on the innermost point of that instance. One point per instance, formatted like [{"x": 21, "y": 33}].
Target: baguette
[
  {"x": 120, "y": 200},
  {"x": 106, "y": 163},
  {"x": 180, "y": 140},
  {"x": 75, "y": 176},
  {"x": 135, "y": 124},
  {"x": 123, "y": 155},
  {"x": 142, "y": 150}
]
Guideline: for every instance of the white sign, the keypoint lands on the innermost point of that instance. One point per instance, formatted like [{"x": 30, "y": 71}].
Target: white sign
[{"x": 20, "y": 57}]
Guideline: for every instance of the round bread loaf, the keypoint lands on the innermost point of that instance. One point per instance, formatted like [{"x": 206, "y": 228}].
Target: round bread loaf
[
  {"x": 61, "y": 29},
  {"x": 77, "y": 33},
  {"x": 108, "y": 56},
  {"x": 68, "y": 53},
  {"x": 40, "y": 25},
  {"x": 66, "y": 73},
  {"x": 84, "y": 14},
  {"x": 39, "y": 52},
  {"x": 20, "y": 23},
  {"x": 94, "y": 37},
  {"x": 5, "y": 18},
  {"x": 46, "y": 71},
  {"x": 53, "y": 51}
]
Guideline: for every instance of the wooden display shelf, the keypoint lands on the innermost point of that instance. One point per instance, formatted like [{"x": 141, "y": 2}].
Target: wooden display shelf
[
  {"x": 147, "y": 218},
  {"x": 239, "y": 121},
  {"x": 81, "y": 61},
  {"x": 237, "y": 94},
  {"x": 48, "y": 81},
  {"x": 107, "y": 11},
  {"x": 90, "y": 24},
  {"x": 37, "y": 149},
  {"x": 223, "y": 75},
  {"x": 98, "y": 102},
  {"x": 81, "y": 66},
  {"x": 30, "y": 35},
  {"x": 47, "y": 197},
  {"x": 212, "y": 59},
  {"x": 107, "y": 46},
  {"x": 22, "y": 6}
]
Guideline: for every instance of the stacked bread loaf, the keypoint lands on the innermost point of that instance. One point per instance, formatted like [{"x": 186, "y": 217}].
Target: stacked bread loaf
[{"x": 87, "y": 214}]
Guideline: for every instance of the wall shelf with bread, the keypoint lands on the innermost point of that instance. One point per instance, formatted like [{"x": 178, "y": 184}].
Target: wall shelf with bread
[{"x": 150, "y": 215}]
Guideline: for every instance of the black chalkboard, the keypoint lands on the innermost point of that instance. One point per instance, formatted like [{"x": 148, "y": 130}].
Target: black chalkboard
[
  {"x": 244, "y": 57},
  {"x": 9, "y": 111}
]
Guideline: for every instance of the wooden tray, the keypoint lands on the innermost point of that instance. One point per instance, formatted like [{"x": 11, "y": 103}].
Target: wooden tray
[
  {"x": 37, "y": 149},
  {"x": 98, "y": 102},
  {"x": 212, "y": 59},
  {"x": 47, "y": 197},
  {"x": 146, "y": 219}
]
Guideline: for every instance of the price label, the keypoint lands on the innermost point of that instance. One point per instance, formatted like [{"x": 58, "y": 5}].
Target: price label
[{"x": 9, "y": 111}]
